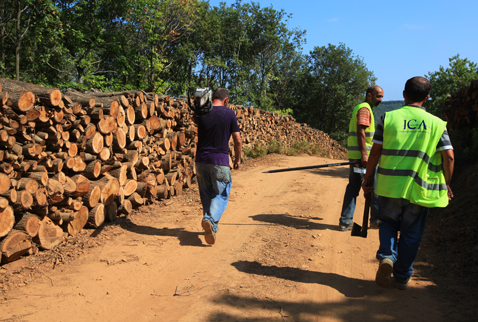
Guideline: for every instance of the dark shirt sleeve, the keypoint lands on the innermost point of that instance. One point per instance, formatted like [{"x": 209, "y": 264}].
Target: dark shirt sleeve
[
  {"x": 378, "y": 135},
  {"x": 445, "y": 142}
]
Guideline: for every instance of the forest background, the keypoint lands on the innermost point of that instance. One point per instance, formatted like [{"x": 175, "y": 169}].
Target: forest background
[{"x": 171, "y": 45}]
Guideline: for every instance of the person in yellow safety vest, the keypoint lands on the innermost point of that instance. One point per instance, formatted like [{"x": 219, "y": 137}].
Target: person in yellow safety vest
[
  {"x": 414, "y": 173},
  {"x": 359, "y": 143}
]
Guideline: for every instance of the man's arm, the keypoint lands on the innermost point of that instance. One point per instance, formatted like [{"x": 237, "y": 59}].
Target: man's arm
[
  {"x": 375, "y": 154},
  {"x": 448, "y": 166},
  {"x": 363, "y": 122},
  {"x": 361, "y": 143},
  {"x": 236, "y": 137}
]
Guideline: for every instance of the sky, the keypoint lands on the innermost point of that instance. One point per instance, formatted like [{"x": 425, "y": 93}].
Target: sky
[{"x": 397, "y": 39}]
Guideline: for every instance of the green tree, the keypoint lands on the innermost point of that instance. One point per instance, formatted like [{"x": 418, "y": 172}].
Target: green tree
[
  {"x": 334, "y": 82},
  {"x": 87, "y": 29},
  {"x": 447, "y": 81},
  {"x": 287, "y": 73},
  {"x": 30, "y": 36},
  {"x": 156, "y": 31},
  {"x": 6, "y": 16},
  {"x": 240, "y": 46}
]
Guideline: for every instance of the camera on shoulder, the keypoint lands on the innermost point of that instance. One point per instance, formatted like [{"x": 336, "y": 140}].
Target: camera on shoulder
[{"x": 202, "y": 101}]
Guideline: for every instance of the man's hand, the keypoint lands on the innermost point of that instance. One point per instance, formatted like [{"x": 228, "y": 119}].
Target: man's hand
[
  {"x": 364, "y": 160},
  {"x": 236, "y": 137},
  {"x": 450, "y": 193},
  {"x": 237, "y": 164},
  {"x": 367, "y": 185}
]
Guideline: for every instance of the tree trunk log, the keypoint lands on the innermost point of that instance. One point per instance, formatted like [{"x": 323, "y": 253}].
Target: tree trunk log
[
  {"x": 96, "y": 216},
  {"x": 49, "y": 234},
  {"x": 93, "y": 195},
  {"x": 16, "y": 244},
  {"x": 7, "y": 220}
]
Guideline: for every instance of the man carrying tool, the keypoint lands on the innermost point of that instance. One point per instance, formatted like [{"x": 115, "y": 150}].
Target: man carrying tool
[
  {"x": 359, "y": 143},
  {"x": 415, "y": 169},
  {"x": 212, "y": 160}
]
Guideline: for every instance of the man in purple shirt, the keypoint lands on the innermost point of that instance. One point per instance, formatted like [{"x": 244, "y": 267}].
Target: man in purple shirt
[{"x": 212, "y": 160}]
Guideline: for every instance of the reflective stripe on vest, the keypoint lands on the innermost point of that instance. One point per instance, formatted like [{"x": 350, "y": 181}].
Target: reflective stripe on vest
[
  {"x": 410, "y": 167},
  {"x": 353, "y": 150}
]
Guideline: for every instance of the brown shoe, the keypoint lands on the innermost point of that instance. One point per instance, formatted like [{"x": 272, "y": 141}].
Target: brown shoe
[
  {"x": 384, "y": 273},
  {"x": 402, "y": 286},
  {"x": 209, "y": 234}
]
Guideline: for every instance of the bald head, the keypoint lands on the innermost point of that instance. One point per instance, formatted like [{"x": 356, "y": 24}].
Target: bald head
[
  {"x": 374, "y": 96},
  {"x": 417, "y": 89}
]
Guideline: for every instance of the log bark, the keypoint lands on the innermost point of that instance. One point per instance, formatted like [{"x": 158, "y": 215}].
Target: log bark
[
  {"x": 126, "y": 207},
  {"x": 49, "y": 235},
  {"x": 30, "y": 223},
  {"x": 96, "y": 216},
  {"x": 136, "y": 199},
  {"x": 109, "y": 189},
  {"x": 40, "y": 177},
  {"x": 78, "y": 223},
  {"x": 3, "y": 203},
  {"x": 5, "y": 183},
  {"x": 7, "y": 220},
  {"x": 24, "y": 201},
  {"x": 120, "y": 174},
  {"x": 27, "y": 184},
  {"x": 82, "y": 185},
  {"x": 93, "y": 169},
  {"x": 40, "y": 198},
  {"x": 129, "y": 187},
  {"x": 22, "y": 101},
  {"x": 16, "y": 244},
  {"x": 54, "y": 188},
  {"x": 95, "y": 144},
  {"x": 92, "y": 197}
]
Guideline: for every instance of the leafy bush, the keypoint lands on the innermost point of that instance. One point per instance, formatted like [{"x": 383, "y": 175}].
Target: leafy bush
[
  {"x": 287, "y": 111},
  {"x": 260, "y": 150}
]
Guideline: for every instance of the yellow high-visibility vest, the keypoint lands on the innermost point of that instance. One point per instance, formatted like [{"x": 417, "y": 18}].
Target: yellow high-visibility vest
[
  {"x": 353, "y": 151},
  {"x": 410, "y": 167}
]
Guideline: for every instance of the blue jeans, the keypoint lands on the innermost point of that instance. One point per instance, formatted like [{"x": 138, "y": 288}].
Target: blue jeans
[
  {"x": 350, "y": 199},
  {"x": 410, "y": 219},
  {"x": 214, "y": 182}
]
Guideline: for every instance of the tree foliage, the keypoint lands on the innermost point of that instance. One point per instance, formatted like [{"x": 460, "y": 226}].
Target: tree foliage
[
  {"x": 447, "y": 81},
  {"x": 334, "y": 82}
]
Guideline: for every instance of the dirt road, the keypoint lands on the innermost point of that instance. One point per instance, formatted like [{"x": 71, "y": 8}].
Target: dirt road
[{"x": 279, "y": 257}]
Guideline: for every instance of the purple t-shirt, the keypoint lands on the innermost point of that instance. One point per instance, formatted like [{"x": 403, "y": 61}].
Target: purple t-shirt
[{"x": 214, "y": 130}]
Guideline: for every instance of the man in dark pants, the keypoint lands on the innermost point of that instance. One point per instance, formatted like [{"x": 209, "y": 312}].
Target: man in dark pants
[
  {"x": 414, "y": 173},
  {"x": 212, "y": 160},
  {"x": 359, "y": 143}
]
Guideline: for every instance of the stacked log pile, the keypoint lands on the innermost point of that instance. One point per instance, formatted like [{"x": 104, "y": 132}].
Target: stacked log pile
[
  {"x": 261, "y": 127},
  {"x": 461, "y": 108},
  {"x": 73, "y": 160}
]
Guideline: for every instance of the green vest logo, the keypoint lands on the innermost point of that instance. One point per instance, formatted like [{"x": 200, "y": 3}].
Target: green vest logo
[{"x": 414, "y": 125}]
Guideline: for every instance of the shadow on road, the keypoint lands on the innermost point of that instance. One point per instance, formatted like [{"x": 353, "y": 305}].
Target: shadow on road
[
  {"x": 186, "y": 238},
  {"x": 341, "y": 172},
  {"x": 351, "y": 310},
  {"x": 293, "y": 221},
  {"x": 349, "y": 287}
]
